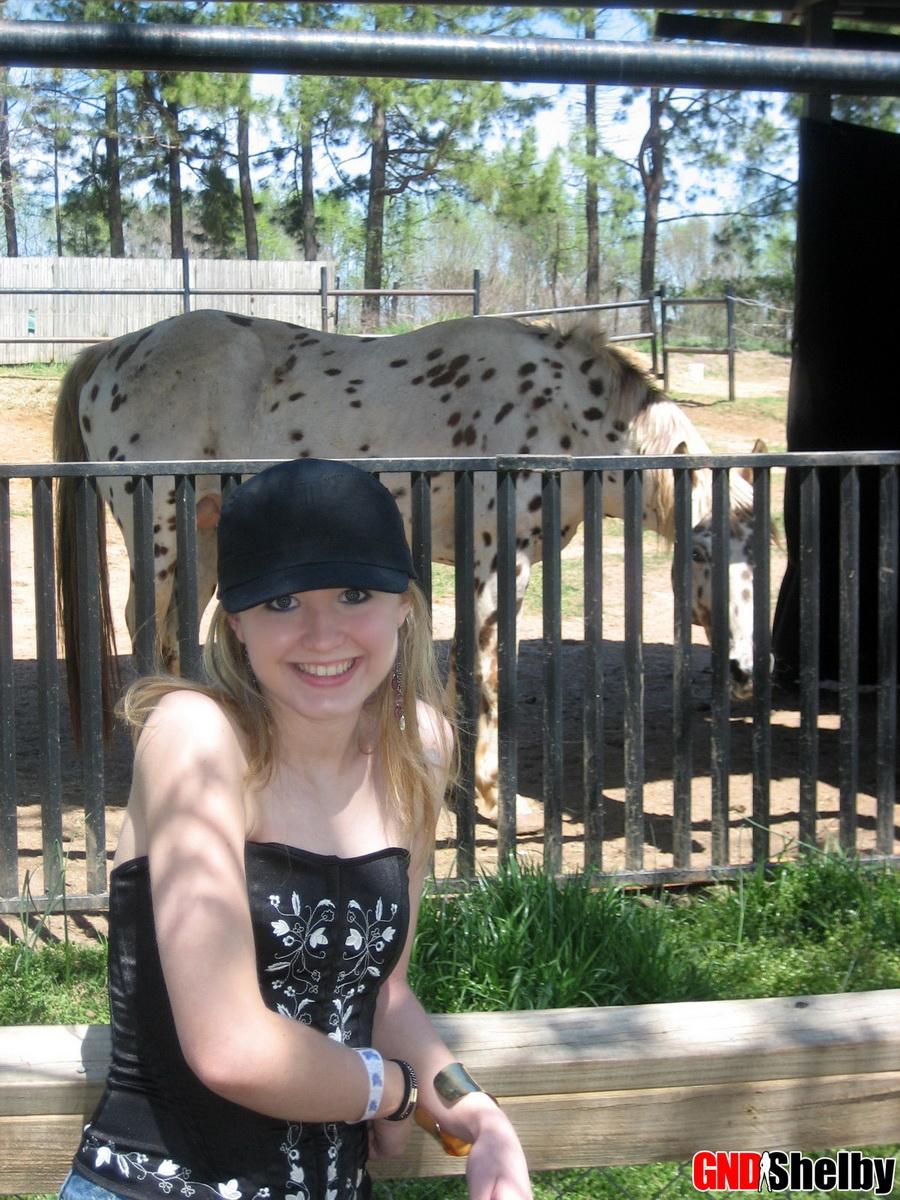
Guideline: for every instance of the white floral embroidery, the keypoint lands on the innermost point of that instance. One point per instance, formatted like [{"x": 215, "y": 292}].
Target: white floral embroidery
[{"x": 165, "y": 1173}]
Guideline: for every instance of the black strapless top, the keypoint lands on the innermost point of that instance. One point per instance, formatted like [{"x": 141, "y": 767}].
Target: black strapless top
[{"x": 328, "y": 932}]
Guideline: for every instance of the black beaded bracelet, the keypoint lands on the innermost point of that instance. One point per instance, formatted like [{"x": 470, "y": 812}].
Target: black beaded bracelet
[{"x": 410, "y": 1091}]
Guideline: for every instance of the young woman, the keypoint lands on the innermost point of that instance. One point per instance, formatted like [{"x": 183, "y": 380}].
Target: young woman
[{"x": 265, "y": 889}]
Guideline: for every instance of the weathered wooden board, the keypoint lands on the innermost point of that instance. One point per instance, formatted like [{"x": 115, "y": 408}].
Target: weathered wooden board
[{"x": 584, "y": 1087}]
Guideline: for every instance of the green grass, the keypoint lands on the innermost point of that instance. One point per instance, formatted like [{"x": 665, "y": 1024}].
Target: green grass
[{"x": 51, "y": 370}]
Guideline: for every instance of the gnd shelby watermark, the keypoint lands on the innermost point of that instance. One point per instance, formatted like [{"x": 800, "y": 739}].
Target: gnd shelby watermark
[{"x": 791, "y": 1171}]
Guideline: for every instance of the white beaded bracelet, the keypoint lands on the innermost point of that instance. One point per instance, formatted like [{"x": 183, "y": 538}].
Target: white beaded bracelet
[{"x": 375, "y": 1068}]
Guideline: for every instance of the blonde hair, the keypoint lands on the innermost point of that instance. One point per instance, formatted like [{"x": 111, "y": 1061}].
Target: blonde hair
[{"x": 415, "y": 783}]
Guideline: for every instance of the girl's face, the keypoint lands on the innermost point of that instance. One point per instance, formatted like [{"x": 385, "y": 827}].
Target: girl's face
[{"x": 322, "y": 653}]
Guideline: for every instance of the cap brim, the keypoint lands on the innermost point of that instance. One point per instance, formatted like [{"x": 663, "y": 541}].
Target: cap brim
[{"x": 308, "y": 577}]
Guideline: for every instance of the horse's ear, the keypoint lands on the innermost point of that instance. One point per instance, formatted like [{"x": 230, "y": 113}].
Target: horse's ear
[
  {"x": 759, "y": 447},
  {"x": 682, "y": 448}
]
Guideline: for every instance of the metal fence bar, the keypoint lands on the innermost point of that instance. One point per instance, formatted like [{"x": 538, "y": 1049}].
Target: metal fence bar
[
  {"x": 124, "y": 46},
  {"x": 48, "y": 680},
  {"x": 848, "y": 654},
  {"x": 762, "y": 659},
  {"x": 185, "y": 582},
  {"x": 720, "y": 740},
  {"x": 634, "y": 671},
  {"x": 552, "y": 670},
  {"x": 464, "y": 647},
  {"x": 420, "y": 517},
  {"x": 886, "y": 741},
  {"x": 810, "y": 584},
  {"x": 507, "y": 683},
  {"x": 92, "y": 761},
  {"x": 593, "y": 766},
  {"x": 682, "y": 701},
  {"x": 9, "y": 830},
  {"x": 143, "y": 582}
]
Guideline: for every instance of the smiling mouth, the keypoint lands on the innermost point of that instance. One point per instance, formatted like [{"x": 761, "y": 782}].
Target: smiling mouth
[{"x": 326, "y": 670}]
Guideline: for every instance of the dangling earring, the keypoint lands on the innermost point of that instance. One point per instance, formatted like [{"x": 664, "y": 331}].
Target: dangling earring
[{"x": 398, "y": 698}]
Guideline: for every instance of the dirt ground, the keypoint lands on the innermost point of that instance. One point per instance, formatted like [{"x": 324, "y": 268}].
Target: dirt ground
[{"x": 26, "y": 409}]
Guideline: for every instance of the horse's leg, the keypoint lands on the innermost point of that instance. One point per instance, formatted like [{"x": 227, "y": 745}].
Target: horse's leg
[{"x": 487, "y": 750}]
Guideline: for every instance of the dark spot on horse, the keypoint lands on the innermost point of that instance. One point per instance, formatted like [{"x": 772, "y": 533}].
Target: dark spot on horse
[
  {"x": 486, "y": 633},
  {"x": 171, "y": 524},
  {"x": 470, "y": 435},
  {"x": 159, "y": 551},
  {"x": 118, "y": 402},
  {"x": 130, "y": 485},
  {"x": 446, "y": 396},
  {"x": 611, "y": 478},
  {"x": 586, "y": 365},
  {"x": 458, "y": 437},
  {"x": 488, "y": 374},
  {"x": 418, "y": 379},
  {"x": 439, "y": 369},
  {"x": 595, "y": 387},
  {"x": 486, "y": 537},
  {"x": 327, "y": 354},
  {"x": 538, "y": 402},
  {"x": 620, "y": 425},
  {"x": 333, "y": 371},
  {"x": 612, "y": 437},
  {"x": 233, "y": 317},
  {"x": 433, "y": 354},
  {"x": 296, "y": 396},
  {"x": 170, "y": 499},
  {"x": 156, "y": 528},
  {"x": 524, "y": 449},
  {"x": 462, "y": 381},
  {"x": 454, "y": 418},
  {"x": 593, "y": 414},
  {"x": 86, "y": 422},
  {"x": 304, "y": 454},
  {"x": 163, "y": 573},
  {"x": 275, "y": 406},
  {"x": 126, "y": 354},
  {"x": 565, "y": 442},
  {"x": 476, "y": 414},
  {"x": 94, "y": 391},
  {"x": 528, "y": 368},
  {"x": 532, "y": 431},
  {"x": 113, "y": 451},
  {"x": 356, "y": 403},
  {"x": 536, "y": 531},
  {"x": 115, "y": 390},
  {"x": 364, "y": 448},
  {"x": 534, "y": 503},
  {"x": 526, "y": 386},
  {"x": 357, "y": 382},
  {"x": 399, "y": 362},
  {"x": 504, "y": 412},
  {"x": 297, "y": 435},
  {"x": 398, "y": 493},
  {"x": 350, "y": 391},
  {"x": 367, "y": 339},
  {"x": 120, "y": 458},
  {"x": 493, "y": 567}
]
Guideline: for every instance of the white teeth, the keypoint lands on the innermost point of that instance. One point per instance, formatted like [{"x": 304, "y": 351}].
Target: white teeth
[{"x": 326, "y": 669}]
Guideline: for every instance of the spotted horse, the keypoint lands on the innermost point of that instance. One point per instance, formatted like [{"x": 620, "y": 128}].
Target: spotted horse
[{"x": 214, "y": 385}]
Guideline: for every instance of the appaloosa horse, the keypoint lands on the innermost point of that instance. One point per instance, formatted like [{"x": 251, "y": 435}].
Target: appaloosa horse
[{"x": 213, "y": 385}]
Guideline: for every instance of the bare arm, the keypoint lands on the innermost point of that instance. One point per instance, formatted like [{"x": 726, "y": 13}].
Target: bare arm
[
  {"x": 187, "y": 798},
  {"x": 496, "y": 1168}
]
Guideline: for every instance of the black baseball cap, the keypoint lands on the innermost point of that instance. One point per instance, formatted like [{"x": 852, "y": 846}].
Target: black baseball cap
[{"x": 305, "y": 524}]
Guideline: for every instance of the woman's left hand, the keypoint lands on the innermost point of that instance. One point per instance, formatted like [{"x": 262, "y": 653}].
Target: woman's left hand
[
  {"x": 496, "y": 1169},
  {"x": 388, "y": 1139}
]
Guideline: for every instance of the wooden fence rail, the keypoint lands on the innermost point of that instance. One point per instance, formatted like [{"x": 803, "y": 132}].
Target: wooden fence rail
[{"x": 583, "y": 1086}]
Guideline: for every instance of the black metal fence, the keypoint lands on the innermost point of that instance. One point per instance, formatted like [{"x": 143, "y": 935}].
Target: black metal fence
[{"x": 577, "y": 678}]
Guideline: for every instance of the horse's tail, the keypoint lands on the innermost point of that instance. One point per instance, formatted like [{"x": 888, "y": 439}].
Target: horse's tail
[{"x": 68, "y": 446}]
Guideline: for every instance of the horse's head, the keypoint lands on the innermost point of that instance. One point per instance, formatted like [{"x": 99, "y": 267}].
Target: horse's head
[{"x": 740, "y": 579}]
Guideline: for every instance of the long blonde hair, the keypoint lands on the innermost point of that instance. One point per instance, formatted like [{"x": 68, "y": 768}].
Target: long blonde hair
[{"x": 415, "y": 784}]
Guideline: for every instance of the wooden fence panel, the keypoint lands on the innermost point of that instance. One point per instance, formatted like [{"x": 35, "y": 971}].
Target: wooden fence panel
[{"x": 103, "y": 316}]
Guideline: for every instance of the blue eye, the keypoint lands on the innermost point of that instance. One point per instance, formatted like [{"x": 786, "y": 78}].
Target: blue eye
[
  {"x": 355, "y": 595},
  {"x": 281, "y": 604}
]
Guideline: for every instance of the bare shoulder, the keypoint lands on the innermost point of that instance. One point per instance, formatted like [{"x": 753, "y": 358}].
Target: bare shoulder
[
  {"x": 188, "y": 726},
  {"x": 436, "y": 733}
]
